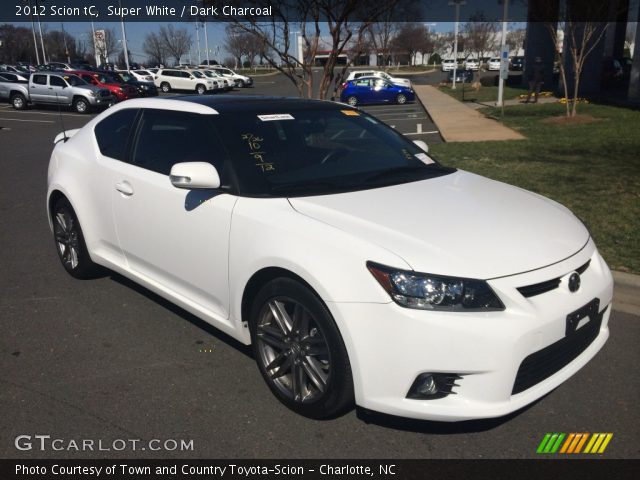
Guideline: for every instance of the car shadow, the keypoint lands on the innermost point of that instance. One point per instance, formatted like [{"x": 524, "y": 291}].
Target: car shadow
[
  {"x": 437, "y": 428},
  {"x": 189, "y": 317}
]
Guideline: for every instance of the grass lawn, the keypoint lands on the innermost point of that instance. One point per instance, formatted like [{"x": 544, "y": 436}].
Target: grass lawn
[
  {"x": 485, "y": 94},
  {"x": 593, "y": 169}
]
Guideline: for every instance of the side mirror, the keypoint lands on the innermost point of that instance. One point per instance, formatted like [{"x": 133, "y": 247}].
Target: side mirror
[
  {"x": 422, "y": 145},
  {"x": 194, "y": 175}
]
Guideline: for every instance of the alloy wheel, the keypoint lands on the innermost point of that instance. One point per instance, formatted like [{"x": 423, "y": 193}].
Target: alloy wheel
[
  {"x": 66, "y": 235},
  {"x": 293, "y": 350}
]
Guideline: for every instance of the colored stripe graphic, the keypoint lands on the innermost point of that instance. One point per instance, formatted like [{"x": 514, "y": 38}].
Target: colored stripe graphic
[{"x": 574, "y": 443}]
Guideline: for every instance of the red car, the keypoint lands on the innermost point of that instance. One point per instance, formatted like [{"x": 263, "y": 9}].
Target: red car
[{"x": 120, "y": 91}]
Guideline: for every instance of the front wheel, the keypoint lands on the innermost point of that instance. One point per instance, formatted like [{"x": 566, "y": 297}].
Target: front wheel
[
  {"x": 353, "y": 101},
  {"x": 240, "y": 83},
  {"x": 81, "y": 105},
  {"x": 165, "y": 87},
  {"x": 300, "y": 351},
  {"x": 200, "y": 89},
  {"x": 401, "y": 99},
  {"x": 70, "y": 243},
  {"x": 18, "y": 101}
]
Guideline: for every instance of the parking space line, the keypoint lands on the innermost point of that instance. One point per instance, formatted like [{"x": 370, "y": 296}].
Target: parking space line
[
  {"x": 422, "y": 133},
  {"x": 19, "y": 120}
]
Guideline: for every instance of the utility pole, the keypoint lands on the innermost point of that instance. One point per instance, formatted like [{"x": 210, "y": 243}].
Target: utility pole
[{"x": 44, "y": 55}]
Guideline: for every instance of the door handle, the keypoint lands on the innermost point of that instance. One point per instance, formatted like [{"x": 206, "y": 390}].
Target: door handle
[{"x": 125, "y": 188}]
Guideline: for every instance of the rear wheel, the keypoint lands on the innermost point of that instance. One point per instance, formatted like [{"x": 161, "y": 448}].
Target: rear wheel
[
  {"x": 300, "y": 351},
  {"x": 18, "y": 101},
  {"x": 200, "y": 89},
  {"x": 70, "y": 243},
  {"x": 80, "y": 105},
  {"x": 165, "y": 87},
  {"x": 353, "y": 101},
  {"x": 401, "y": 99}
]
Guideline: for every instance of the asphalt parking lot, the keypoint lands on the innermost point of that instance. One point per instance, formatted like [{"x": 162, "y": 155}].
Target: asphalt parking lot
[{"x": 106, "y": 359}]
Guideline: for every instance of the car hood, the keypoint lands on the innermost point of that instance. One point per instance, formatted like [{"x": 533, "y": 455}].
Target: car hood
[
  {"x": 459, "y": 224},
  {"x": 405, "y": 82}
]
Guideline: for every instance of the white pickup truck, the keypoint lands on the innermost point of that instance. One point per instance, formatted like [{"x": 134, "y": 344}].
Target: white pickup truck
[{"x": 57, "y": 88}]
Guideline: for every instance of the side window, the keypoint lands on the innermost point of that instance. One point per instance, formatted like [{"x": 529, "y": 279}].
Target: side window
[
  {"x": 166, "y": 138},
  {"x": 40, "y": 79},
  {"x": 56, "y": 82},
  {"x": 363, "y": 83},
  {"x": 112, "y": 133},
  {"x": 185, "y": 74}
]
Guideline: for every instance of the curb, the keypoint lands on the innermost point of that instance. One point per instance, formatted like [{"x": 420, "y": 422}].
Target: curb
[{"x": 626, "y": 279}]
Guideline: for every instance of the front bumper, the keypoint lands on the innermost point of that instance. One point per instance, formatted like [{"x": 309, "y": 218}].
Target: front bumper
[{"x": 389, "y": 346}]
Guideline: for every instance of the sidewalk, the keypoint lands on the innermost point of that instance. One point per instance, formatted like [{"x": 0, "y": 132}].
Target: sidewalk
[{"x": 458, "y": 122}]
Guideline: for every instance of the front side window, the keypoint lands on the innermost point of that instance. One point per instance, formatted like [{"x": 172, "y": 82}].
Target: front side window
[
  {"x": 57, "y": 82},
  {"x": 112, "y": 133},
  {"x": 40, "y": 79},
  {"x": 166, "y": 138}
]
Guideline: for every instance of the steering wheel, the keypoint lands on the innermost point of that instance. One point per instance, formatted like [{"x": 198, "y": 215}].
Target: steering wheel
[{"x": 334, "y": 155}]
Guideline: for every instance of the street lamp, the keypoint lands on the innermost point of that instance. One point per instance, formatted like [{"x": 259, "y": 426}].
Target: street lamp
[
  {"x": 504, "y": 54},
  {"x": 457, "y": 4}
]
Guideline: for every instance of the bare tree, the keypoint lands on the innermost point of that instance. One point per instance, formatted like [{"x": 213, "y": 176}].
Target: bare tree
[
  {"x": 236, "y": 42},
  {"x": 17, "y": 44},
  {"x": 412, "y": 38},
  {"x": 344, "y": 20},
  {"x": 480, "y": 35},
  {"x": 154, "y": 48},
  {"x": 515, "y": 38},
  {"x": 176, "y": 41}
]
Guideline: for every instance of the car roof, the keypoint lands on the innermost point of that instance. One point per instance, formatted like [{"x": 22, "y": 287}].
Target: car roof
[{"x": 205, "y": 104}]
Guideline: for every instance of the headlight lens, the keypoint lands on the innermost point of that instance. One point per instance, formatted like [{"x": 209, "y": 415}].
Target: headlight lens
[{"x": 435, "y": 292}]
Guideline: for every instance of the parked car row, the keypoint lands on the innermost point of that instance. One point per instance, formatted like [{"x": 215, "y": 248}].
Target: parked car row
[{"x": 492, "y": 64}]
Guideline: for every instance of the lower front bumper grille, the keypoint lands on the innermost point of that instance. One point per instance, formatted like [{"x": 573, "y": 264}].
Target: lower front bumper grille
[{"x": 542, "y": 364}]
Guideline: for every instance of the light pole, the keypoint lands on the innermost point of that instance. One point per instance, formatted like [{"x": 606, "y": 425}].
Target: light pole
[
  {"x": 198, "y": 40},
  {"x": 457, "y": 4},
  {"x": 503, "y": 43},
  {"x": 35, "y": 42},
  {"x": 206, "y": 43},
  {"x": 124, "y": 37}
]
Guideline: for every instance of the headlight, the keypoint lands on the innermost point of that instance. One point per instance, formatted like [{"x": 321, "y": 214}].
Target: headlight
[{"x": 435, "y": 292}]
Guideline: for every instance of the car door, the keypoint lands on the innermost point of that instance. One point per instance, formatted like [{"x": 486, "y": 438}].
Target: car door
[
  {"x": 175, "y": 238},
  {"x": 59, "y": 90},
  {"x": 384, "y": 90},
  {"x": 39, "y": 89}
]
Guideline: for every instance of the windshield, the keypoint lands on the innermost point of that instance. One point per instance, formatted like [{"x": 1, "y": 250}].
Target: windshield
[
  {"x": 104, "y": 78},
  {"x": 319, "y": 151},
  {"x": 384, "y": 75},
  {"x": 125, "y": 77},
  {"x": 74, "y": 80}
]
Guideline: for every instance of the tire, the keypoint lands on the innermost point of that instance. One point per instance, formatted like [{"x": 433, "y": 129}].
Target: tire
[
  {"x": 69, "y": 241},
  {"x": 300, "y": 340},
  {"x": 201, "y": 89},
  {"x": 353, "y": 101},
  {"x": 240, "y": 84},
  {"x": 401, "y": 99},
  {"x": 165, "y": 87},
  {"x": 80, "y": 105},
  {"x": 18, "y": 101}
]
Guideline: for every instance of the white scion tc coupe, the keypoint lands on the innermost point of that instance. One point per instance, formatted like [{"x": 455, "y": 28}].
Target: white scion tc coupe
[{"x": 360, "y": 269}]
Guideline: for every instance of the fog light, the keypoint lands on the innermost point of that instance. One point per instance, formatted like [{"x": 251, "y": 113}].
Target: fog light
[
  {"x": 427, "y": 385},
  {"x": 431, "y": 386}
]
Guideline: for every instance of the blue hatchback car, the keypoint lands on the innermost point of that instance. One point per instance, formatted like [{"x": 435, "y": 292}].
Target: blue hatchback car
[{"x": 374, "y": 90}]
